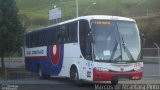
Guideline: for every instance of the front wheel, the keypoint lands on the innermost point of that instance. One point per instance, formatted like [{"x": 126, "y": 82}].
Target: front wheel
[
  {"x": 114, "y": 81},
  {"x": 75, "y": 76}
]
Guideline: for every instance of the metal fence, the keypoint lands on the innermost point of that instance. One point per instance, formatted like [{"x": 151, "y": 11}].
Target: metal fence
[
  {"x": 15, "y": 69},
  {"x": 14, "y": 62},
  {"x": 151, "y": 61}
]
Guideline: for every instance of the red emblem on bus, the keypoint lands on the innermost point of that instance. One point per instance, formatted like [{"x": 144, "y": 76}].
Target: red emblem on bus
[{"x": 54, "y": 54}]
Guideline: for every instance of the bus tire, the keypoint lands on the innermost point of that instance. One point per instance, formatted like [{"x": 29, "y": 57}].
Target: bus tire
[
  {"x": 74, "y": 75},
  {"x": 114, "y": 81},
  {"x": 41, "y": 75}
]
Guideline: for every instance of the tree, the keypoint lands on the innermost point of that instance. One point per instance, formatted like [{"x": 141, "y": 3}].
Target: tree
[{"x": 11, "y": 29}]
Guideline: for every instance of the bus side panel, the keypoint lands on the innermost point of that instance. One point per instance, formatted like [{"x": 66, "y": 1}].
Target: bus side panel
[
  {"x": 32, "y": 64},
  {"x": 59, "y": 60},
  {"x": 34, "y": 57},
  {"x": 72, "y": 56},
  {"x": 48, "y": 58},
  {"x": 54, "y": 62}
]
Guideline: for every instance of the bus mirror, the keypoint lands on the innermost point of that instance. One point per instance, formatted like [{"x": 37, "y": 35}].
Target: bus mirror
[
  {"x": 143, "y": 39},
  {"x": 141, "y": 57}
]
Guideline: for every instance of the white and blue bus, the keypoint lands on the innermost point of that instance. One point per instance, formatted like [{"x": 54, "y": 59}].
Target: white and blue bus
[{"x": 92, "y": 48}]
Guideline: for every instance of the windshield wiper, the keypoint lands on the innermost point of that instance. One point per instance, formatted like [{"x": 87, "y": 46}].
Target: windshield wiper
[
  {"x": 124, "y": 46},
  {"x": 127, "y": 50},
  {"x": 120, "y": 56},
  {"x": 113, "y": 53}
]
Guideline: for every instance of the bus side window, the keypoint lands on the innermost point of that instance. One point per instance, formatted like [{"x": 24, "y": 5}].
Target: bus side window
[
  {"x": 45, "y": 38},
  {"x": 39, "y": 36},
  {"x": 85, "y": 44},
  {"x": 62, "y": 35},
  {"x": 41, "y": 39},
  {"x": 58, "y": 32},
  {"x": 27, "y": 41},
  {"x": 32, "y": 40},
  {"x": 66, "y": 32},
  {"x": 50, "y": 31},
  {"x": 53, "y": 35},
  {"x": 72, "y": 32},
  {"x": 68, "y": 35}
]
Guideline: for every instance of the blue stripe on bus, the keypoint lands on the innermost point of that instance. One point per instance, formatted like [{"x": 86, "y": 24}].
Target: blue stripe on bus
[
  {"x": 47, "y": 66},
  {"x": 56, "y": 69}
]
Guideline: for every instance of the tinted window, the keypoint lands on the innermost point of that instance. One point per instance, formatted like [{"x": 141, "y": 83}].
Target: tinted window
[
  {"x": 66, "y": 33},
  {"x": 85, "y": 44}
]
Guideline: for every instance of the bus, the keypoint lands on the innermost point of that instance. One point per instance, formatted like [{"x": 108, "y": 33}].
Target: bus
[{"x": 87, "y": 48}]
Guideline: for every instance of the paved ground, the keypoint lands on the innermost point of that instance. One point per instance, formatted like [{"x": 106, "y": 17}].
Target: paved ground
[
  {"x": 66, "y": 84},
  {"x": 34, "y": 83}
]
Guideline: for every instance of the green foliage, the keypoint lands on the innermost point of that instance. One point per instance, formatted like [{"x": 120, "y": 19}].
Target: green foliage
[
  {"x": 39, "y": 8},
  {"x": 36, "y": 11},
  {"x": 11, "y": 30}
]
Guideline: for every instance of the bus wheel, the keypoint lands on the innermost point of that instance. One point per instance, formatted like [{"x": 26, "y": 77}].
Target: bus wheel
[
  {"x": 114, "y": 81},
  {"x": 39, "y": 72},
  {"x": 41, "y": 75},
  {"x": 74, "y": 75}
]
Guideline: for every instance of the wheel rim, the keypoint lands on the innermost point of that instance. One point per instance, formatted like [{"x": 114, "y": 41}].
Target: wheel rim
[
  {"x": 76, "y": 75},
  {"x": 40, "y": 72}
]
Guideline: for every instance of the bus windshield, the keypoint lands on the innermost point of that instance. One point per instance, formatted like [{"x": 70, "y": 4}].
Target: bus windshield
[{"x": 115, "y": 40}]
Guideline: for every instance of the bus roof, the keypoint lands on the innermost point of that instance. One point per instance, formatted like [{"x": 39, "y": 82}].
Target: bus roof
[
  {"x": 106, "y": 17},
  {"x": 90, "y": 17}
]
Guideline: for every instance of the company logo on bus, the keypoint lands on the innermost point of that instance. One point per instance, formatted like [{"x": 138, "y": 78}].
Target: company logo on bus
[
  {"x": 56, "y": 57},
  {"x": 122, "y": 69},
  {"x": 54, "y": 54}
]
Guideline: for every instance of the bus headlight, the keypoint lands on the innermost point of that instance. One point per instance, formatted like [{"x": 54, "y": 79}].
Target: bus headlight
[
  {"x": 139, "y": 69},
  {"x": 102, "y": 69}
]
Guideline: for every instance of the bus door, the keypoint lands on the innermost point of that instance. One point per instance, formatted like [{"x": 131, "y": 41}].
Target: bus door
[
  {"x": 87, "y": 64},
  {"x": 86, "y": 48},
  {"x": 89, "y": 70}
]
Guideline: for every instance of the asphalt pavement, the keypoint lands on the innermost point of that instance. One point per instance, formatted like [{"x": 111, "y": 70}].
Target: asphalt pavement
[{"x": 67, "y": 84}]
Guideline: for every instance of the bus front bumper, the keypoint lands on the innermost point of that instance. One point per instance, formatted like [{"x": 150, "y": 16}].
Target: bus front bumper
[{"x": 107, "y": 76}]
